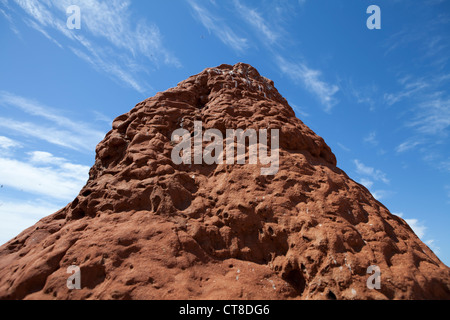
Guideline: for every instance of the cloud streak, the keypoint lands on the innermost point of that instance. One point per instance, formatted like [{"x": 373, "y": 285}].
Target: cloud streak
[
  {"x": 19, "y": 215},
  {"x": 44, "y": 174},
  {"x": 408, "y": 145},
  {"x": 378, "y": 175},
  {"x": 420, "y": 230},
  {"x": 311, "y": 80},
  {"x": 121, "y": 43},
  {"x": 254, "y": 19},
  {"x": 218, "y": 27},
  {"x": 59, "y": 130},
  {"x": 7, "y": 143},
  {"x": 433, "y": 116}
]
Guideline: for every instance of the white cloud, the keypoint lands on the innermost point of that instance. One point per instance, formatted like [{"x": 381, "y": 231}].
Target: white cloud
[
  {"x": 432, "y": 244},
  {"x": 420, "y": 230},
  {"x": 60, "y": 131},
  {"x": 126, "y": 44},
  {"x": 8, "y": 17},
  {"x": 299, "y": 111},
  {"x": 409, "y": 89},
  {"x": 102, "y": 117},
  {"x": 42, "y": 157},
  {"x": 255, "y": 19},
  {"x": 377, "y": 175},
  {"x": 364, "y": 98},
  {"x": 218, "y": 27},
  {"x": 372, "y": 139},
  {"x": 379, "y": 194},
  {"x": 36, "y": 109},
  {"x": 433, "y": 116},
  {"x": 7, "y": 143},
  {"x": 16, "y": 216},
  {"x": 112, "y": 20},
  {"x": 408, "y": 145},
  {"x": 431, "y": 108},
  {"x": 29, "y": 210},
  {"x": 366, "y": 182},
  {"x": 369, "y": 175},
  {"x": 343, "y": 147},
  {"x": 101, "y": 64},
  {"x": 45, "y": 175},
  {"x": 37, "y": 27},
  {"x": 369, "y": 184},
  {"x": 417, "y": 226},
  {"x": 271, "y": 34},
  {"x": 311, "y": 81},
  {"x": 60, "y": 137}
]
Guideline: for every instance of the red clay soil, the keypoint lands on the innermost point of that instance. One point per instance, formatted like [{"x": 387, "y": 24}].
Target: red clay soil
[{"x": 145, "y": 228}]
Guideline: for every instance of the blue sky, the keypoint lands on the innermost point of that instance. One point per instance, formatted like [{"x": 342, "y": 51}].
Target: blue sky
[{"x": 379, "y": 98}]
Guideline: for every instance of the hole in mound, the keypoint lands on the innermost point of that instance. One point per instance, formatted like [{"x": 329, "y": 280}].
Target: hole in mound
[
  {"x": 295, "y": 279},
  {"x": 331, "y": 295},
  {"x": 86, "y": 193},
  {"x": 78, "y": 214}
]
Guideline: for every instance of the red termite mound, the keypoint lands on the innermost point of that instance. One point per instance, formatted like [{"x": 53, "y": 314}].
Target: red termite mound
[{"x": 145, "y": 228}]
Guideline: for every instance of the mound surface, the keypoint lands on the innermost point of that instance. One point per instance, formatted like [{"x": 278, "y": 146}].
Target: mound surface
[{"x": 145, "y": 228}]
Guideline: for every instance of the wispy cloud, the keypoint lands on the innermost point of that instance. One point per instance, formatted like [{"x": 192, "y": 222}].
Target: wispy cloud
[
  {"x": 311, "y": 80},
  {"x": 420, "y": 230},
  {"x": 9, "y": 17},
  {"x": 418, "y": 227},
  {"x": 255, "y": 19},
  {"x": 378, "y": 194},
  {"x": 371, "y": 138},
  {"x": 269, "y": 35},
  {"x": 428, "y": 112},
  {"x": 102, "y": 63},
  {"x": 32, "y": 210},
  {"x": 102, "y": 117},
  {"x": 364, "y": 170},
  {"x": 121, "y": 42},
  {"x": 7, "y": 143},
  {"x": 58, "y": 130},
  {"x": 19, "y": 215},
  {"x": 409, "y": 89},
  {"x": 343, "y": 147},
  {"x": 364, "y": 96},
  {"x": 218, "y": 27},
  {"x": 433, "y": 116},
  {"x": 408, "y": 145},
  {"x": 431, "y": 40},
  {"x": 368, "y": 176},
  {"x": 300, "y": 111},
  {"x": 44, "y": 174},
  {"x": 366, "y": 182}
]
